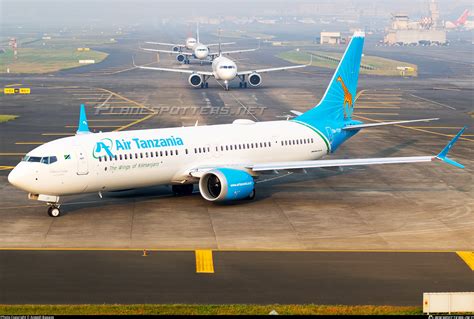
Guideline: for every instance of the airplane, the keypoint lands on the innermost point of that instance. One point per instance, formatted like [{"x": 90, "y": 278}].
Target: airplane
[
  {"x": 199, "y": 51},
  {"x": 224, "y": 160},
  {"x": 224, "y": 69},
  {"x": 461, "y": 22}
]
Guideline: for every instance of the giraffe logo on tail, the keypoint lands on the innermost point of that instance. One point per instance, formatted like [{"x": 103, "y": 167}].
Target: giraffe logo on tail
[{"x": 347, "y": 98}]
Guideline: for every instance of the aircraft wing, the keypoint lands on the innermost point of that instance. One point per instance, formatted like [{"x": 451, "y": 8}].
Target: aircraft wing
[
  {"x": 185, "y": 71},
  {"x": 216, "y": 44},
  {"x": 164, "y": 43},
  {"x": 302, "y": 165},
  {"x": 234, "y": 51},
  {"x": 272, "y": 69},
  {"x": 360, "y": 161},
  {"x": 167, "y": 51}
]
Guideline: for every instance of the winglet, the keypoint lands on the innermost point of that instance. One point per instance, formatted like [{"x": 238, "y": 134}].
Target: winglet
[
  {"x": 443, "y": 154},
  {"x": 83, "y": 127}
]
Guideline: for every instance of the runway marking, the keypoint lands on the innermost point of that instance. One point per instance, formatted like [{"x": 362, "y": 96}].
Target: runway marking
[
  {"x": 6, "y": 168},
  {"x": 431, "y": 101},
  {"x": 204, "y": 261},
  {"x": 29, "y": 143},
  {"x": 123, "y": 113},
  {"x": 369, "y": 113},
  {"x": 93, "y": 126},
  {"x": 153, "y": 112},
  {"x": 14, "y": 84},
  {"x": 112, "y": 120},
  {"x": 415, "y": 129},
  {"x": 440, "y": 127},
  {"x": 467, "y": 257},
  {"x": 376, "y": 107},
  {"x": 58, "y": 134}
]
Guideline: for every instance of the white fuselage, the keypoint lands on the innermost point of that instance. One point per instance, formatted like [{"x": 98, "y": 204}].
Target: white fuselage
[
  {"x": 224, "y": 68},
  {"x": 190, "y": 43},
  {"x": 131, "y": 159},
  {"x": 200, "y": 51}
]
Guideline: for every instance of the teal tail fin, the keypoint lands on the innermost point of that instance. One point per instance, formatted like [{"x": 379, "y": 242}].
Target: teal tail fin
[
  {"x": 334, "y": 111},
  {"x": 83, "y": 126}
]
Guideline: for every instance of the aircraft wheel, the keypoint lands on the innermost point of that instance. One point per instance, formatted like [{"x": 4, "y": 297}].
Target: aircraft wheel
[
  {"x": 240, "y": 85},
  {"x": 206, "y": 85},
  {"x": 245, "y": 84},
  {"x": 54, "y": 211}
]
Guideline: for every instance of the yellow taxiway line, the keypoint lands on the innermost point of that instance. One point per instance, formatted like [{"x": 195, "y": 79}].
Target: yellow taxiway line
[
  {"x": 204, "y": 261},
  {"x": 29, "y": 143},
  {"x": 12, "y": 154},
  {"x": 6, "y": 168},
  {"x": 58, "y": 134},
  {"x": 467, "y": 257}
]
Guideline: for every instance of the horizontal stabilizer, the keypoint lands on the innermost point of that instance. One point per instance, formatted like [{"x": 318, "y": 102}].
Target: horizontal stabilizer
[{"x": 359, "y": 126}]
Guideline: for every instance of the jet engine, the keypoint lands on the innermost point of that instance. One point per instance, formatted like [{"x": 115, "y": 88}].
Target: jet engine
[
  {"x": 180, "y": 58},
  {"x": 195, "y": 80},
  {"x": 255, "y": 79},
  {"x": 176, "y": 49},
  {"x": 226, "y": 184}
]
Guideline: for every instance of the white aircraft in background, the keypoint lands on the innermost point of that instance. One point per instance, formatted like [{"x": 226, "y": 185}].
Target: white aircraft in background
[
  {"x": 461, "y": 23},
  {"x": 224, "y": 160},
  {"x": 223, "y": 69},
  {"x": 199, "y": 51}
]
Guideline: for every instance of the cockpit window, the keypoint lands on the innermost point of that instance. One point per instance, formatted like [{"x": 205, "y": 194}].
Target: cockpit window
[{"x": 37, "y": 159}]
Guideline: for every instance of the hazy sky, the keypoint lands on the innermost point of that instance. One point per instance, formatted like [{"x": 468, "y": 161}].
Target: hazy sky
[{"x": 75, "y": 12}]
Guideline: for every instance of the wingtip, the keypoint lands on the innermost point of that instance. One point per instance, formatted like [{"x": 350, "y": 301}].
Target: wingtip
[{"x": 443, "y": 155}]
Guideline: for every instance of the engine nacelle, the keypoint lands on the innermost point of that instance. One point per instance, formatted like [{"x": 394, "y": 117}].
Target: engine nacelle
[
  {"x": 180, "y": 58},
  {"x": 255, "y": 79},
  {"x": 176, "y": 49},
  {"x": 225, "y": 184},
  {"x": 195, "y": 80}
]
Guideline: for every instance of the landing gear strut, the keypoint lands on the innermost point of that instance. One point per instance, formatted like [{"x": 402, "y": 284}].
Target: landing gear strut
[
  {"x": 53, "y": 210},
  {"x": 243, "y": 83},
  {"x": 185, "y": 189}
]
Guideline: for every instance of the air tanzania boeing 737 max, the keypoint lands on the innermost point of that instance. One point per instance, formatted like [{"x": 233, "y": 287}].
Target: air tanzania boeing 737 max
[{"x": 223, "y": 159}]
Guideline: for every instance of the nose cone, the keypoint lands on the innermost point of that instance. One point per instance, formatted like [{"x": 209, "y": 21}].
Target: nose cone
[{"x": 17, "y": 178}]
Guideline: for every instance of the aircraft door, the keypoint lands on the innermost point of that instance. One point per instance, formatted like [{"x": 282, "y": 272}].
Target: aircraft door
[{"x": 82, "y": 167}]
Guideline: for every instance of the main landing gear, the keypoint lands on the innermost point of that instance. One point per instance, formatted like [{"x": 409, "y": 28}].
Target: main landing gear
[
  {"x": 243, "y": 83},
  {"x": 185, "y": 189},
  {"x": 204, "y": 85},
  {"x": 53, "y": 210}
]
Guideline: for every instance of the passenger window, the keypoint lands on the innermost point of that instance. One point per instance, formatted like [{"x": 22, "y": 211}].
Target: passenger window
[
  {"x": 161, "y": 153},
  {"x": 156, "y": 154},
  {"x": 166, "y": 153},
  {"x": 151, "y": 154},
  {"x": 115, "y": 157},
  {"x": 176, "y": 152},
  {"x": 141, "y": 155}
]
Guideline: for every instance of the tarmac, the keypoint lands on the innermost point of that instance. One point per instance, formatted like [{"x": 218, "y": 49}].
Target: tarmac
[{"x": 424, "y": 209}]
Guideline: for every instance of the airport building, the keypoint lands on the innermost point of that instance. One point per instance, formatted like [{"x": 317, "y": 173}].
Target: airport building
[
  {"x": 426, "y": 30},
  {"x": 330, "y": 37}
]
